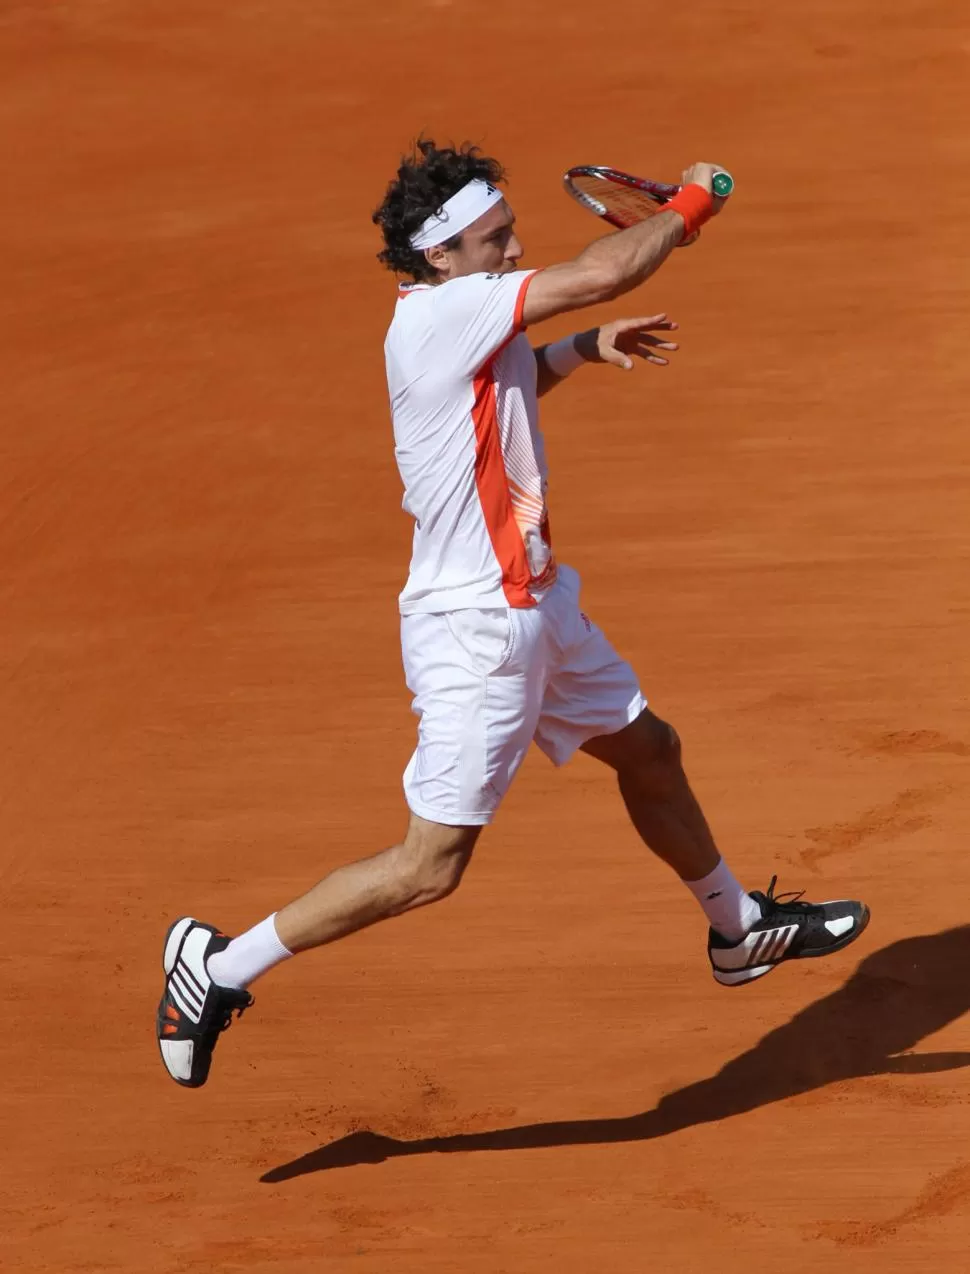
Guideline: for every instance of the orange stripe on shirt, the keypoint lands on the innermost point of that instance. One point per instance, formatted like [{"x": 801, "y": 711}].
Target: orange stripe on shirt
[
  {"x": 518, "y": 325},
  {"x": 492, "y": 480},
  {"x": 494, "y": 496}
]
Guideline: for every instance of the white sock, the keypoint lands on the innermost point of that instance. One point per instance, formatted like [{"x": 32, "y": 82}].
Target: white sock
[
  {"x": 249, "y": 956},
  {"x": 729, "y": 909}
]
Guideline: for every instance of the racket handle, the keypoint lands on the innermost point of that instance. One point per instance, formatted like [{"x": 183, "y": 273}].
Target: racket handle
[{"x": 723, "y": 184}]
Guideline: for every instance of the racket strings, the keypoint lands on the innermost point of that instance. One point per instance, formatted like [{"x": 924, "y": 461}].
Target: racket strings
[{"x": 620, "y": 203}]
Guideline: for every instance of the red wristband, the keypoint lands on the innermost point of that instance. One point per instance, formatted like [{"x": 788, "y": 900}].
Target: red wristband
[{"x": 695, "y": 205}]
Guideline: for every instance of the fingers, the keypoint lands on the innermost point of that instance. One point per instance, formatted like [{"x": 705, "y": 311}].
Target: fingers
[
  {"x": 653, "y": 321},
  {"x": 647, "y": 349},
  {"x": 702, "y": 174},
  {"x": 648, "y": 356},
  {"x": 651, "y": 356},
  {"x": 623, "y": 340},
  {"x": 624, "y": 329}
]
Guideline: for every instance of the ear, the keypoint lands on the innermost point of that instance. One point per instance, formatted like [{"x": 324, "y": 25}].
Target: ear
[{"x": 437, "y": 258}]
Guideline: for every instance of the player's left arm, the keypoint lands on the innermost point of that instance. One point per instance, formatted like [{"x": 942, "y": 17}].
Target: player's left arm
[{"x": 618, "y": 343}]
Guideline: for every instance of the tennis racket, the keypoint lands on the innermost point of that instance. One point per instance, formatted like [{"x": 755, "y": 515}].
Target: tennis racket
[{"x": 622, "y": 199}]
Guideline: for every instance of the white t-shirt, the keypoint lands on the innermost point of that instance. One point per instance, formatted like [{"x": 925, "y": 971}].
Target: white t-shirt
[{"x": 462, "y": 383}]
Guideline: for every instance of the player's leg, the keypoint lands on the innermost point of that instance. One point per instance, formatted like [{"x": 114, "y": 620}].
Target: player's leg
[
  {"x": 477, "y": 685},
  {"x": 207, "y": 973},
  {"x": 425, "y": 867},
  {"x": 594, "y": 702}
]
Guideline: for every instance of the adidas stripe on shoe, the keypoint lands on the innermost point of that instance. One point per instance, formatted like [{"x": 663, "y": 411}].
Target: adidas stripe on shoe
[
  {"x": 789, "y": 929},
  {"x": 193, "y": 1010}
]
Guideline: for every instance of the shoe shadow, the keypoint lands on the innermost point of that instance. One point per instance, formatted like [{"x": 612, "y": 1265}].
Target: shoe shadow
[{"x": 896, "y": 997}]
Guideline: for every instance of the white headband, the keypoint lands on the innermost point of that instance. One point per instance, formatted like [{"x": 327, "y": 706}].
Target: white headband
[{"x": 456, "y": 214}]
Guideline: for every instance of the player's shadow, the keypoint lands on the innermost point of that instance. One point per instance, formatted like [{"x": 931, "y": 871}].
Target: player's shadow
[{"x": 896, "y": 997}]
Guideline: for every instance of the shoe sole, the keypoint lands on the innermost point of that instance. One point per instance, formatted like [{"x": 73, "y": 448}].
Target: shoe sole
[
  {"x": 173, "y": 943},
  {"x": 742, "y": 977},
  {"x": 171, "y": 951}
]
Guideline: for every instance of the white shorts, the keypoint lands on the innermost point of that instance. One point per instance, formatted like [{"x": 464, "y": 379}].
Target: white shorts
[{"x": 488, "y": 682}]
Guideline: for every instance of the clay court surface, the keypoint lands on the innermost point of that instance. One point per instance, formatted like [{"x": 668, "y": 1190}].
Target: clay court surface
[{"x": 202, "y": 706}]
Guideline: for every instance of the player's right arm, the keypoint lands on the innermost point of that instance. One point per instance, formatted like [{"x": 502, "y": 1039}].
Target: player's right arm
[{"x": 616, "y": 264}]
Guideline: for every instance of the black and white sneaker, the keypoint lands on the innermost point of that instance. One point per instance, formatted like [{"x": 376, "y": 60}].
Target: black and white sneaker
[
  {"x": 193, "y": 1010},
  {"x": 788, "y": 930}
]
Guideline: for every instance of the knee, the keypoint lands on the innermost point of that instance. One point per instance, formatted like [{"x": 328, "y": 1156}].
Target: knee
[
  {"x": 672, "y": 749},
  {"x": 656, "y": 763},
  {"x": 430, "y": 866}
]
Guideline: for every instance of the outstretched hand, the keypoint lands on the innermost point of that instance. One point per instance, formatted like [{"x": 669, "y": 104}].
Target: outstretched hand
[{"x": 625, "y": 339}]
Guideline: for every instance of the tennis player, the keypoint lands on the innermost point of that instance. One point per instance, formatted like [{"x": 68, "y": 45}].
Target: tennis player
[{"x": 497, "y": 652}]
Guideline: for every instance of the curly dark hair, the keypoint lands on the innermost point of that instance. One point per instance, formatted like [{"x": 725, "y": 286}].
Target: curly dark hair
[{"x": 425, "y": 179}]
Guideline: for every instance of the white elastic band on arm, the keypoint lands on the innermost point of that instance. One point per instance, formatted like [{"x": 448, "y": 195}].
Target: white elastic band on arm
[
  {"x": 456, "y": 214},
  {"x": 562, "y": 357}
]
